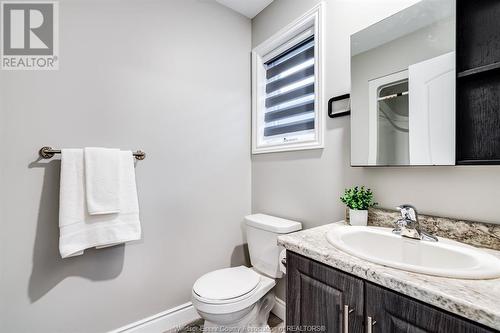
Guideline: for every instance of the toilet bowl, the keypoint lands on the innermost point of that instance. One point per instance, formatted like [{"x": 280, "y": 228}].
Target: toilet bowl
[
  {"x": 237, "y": 302},
  {"x": 239, "y": 299}
]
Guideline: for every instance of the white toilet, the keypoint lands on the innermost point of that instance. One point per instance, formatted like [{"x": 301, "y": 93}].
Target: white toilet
[{"x": 239, "y": 299}]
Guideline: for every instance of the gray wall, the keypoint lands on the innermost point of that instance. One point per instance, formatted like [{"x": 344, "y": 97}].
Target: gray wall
[
  {"x": 166, "y": 76},
  {"x": 306, "y": 185}
]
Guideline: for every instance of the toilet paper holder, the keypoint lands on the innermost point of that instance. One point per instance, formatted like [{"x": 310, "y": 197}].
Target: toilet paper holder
[{"x": 283, "y": 261}]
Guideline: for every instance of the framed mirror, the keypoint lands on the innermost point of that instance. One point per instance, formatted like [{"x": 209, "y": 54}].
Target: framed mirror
[{"x": 403, "y": 88}]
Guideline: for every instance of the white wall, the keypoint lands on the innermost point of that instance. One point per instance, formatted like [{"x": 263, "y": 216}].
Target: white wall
[
  {"x": 306, "y": 185},
  {"x": 170, "y": 77}
]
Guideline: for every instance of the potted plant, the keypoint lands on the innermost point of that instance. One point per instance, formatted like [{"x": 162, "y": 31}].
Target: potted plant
[{"x": 358, "y": 199}]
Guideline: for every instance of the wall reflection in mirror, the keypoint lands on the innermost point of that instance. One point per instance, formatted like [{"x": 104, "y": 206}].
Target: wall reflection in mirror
[{"x": 403, "y": 88}]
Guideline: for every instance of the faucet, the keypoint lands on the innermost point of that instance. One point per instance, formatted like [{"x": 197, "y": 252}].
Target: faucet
[{"x": 408, "y": 225}]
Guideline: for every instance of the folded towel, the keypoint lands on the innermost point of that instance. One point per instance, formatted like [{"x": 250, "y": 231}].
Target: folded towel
[
  {"x": 78, "y": 229},
  {"x": 102, "y": 180}
]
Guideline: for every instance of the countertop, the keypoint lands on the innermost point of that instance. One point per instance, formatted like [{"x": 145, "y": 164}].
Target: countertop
[{"x": 476, "y": 300}]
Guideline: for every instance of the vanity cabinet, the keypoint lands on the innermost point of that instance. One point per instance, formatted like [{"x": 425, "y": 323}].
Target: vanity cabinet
[
  {"x": 393, "y": 312},
  {"x": 319, "y": 296}
]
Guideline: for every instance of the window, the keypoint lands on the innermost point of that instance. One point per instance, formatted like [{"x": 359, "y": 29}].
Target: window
[{"x": 287, "y": 106}]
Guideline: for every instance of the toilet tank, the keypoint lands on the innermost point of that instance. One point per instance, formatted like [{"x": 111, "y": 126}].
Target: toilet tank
[{"x": 262, "y": 232}]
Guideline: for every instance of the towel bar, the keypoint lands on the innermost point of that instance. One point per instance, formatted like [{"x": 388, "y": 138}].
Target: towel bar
[{"x": 48, "y": 152}]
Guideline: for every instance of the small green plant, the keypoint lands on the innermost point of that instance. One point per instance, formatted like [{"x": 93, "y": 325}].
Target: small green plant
[{"x": 358, "y": 198}]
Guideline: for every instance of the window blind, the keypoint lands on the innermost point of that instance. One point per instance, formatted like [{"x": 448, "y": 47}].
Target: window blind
[{"x": 290, "y": 95}]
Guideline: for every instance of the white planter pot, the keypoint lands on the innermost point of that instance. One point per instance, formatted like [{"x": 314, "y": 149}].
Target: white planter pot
[{"x": 358, "y": 217}]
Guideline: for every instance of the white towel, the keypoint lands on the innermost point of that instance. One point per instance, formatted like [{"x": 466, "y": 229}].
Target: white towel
[
  {"x": 78, "y": 229},
  {"x": 102, "y": 180}
]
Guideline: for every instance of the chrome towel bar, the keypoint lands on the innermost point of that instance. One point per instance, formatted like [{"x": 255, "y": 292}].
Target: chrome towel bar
[{"x": 48, "y": 152}]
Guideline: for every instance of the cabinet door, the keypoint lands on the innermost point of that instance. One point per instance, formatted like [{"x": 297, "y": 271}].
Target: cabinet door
[
  {"x": 322, "y": 298},
  {"x": 395, "y": 313}
]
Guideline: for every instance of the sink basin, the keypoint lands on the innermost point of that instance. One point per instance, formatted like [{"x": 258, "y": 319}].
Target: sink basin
[{"x": 445, "y": 258}]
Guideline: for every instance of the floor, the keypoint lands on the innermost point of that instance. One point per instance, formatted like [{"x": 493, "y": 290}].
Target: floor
[{"x": 276, "y": 324}]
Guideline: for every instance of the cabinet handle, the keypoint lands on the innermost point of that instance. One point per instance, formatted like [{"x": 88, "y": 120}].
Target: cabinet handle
[
  {"x": 346, "y": 314},
  {"x": 369, "y": 324}
]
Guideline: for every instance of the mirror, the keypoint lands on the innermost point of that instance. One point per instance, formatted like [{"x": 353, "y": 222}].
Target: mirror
[{"x": 403, "y": 88}]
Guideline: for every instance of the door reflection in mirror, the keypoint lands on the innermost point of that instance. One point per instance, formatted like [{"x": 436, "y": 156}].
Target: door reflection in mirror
[{"x": 403, "y": 88}]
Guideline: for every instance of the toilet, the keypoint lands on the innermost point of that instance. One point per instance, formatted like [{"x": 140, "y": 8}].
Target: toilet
[{"x": 239, "y": 299}]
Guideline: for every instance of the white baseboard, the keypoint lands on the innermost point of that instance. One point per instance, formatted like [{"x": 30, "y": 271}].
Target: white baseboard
[
  {"x": 178, "y": 316},
  {"x": 279, "y": 308},
  {"x": 163, "y": 321}
]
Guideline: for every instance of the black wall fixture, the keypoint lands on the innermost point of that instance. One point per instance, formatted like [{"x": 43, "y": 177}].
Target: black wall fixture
[
  {"x": 343, "y": 110},
  {"x": 478, "y": 82}
]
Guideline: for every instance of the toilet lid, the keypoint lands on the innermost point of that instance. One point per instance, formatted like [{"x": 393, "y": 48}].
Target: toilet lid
[{"x": 226, "y": 283}]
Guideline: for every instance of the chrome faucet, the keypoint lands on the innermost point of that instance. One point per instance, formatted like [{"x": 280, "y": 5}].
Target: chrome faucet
[{"x": 408, "y": 225}]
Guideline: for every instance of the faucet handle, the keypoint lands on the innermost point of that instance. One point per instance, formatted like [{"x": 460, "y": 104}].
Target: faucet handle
[{"x": 408, "y": 212}]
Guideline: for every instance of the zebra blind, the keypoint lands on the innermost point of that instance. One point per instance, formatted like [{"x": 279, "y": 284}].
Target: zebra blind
[{"x": 289, "y": 99}]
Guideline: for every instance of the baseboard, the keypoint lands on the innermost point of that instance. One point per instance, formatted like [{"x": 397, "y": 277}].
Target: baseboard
[
  {"x": 279, "y": 308},
  {"x": 163, "y": 321},
  {"x": 178, "y": 316}
]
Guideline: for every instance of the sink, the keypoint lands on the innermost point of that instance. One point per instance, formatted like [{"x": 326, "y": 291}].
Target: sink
[{"x": 445, "y": 258}]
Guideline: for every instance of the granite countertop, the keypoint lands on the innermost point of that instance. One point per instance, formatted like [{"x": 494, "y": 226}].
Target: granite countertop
[{"x": 476, "y": 300}]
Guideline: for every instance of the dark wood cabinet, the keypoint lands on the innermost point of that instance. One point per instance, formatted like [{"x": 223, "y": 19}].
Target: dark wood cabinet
[
  {"x": 478, "y": 82},
  {"x": 319, "y": 297},
  {"x": 322, "y": 298},
  {"x": 395, "y": 313}
]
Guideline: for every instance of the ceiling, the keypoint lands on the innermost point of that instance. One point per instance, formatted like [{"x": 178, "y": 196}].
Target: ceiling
[{"x": 249, "y": 8}]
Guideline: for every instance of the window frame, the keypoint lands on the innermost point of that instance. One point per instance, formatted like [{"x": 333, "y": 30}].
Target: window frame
[{"x": 311, "y": 23}]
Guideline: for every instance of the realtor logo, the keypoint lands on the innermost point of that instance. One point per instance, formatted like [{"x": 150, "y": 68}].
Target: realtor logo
[{"x": 29, "y": 36}]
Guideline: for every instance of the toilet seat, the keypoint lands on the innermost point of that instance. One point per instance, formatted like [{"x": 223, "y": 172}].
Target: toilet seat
[
  {"x": 224, "y": 285},
  {"x": 225, "y": 301},
  {"x": 239, "y": 294}
]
